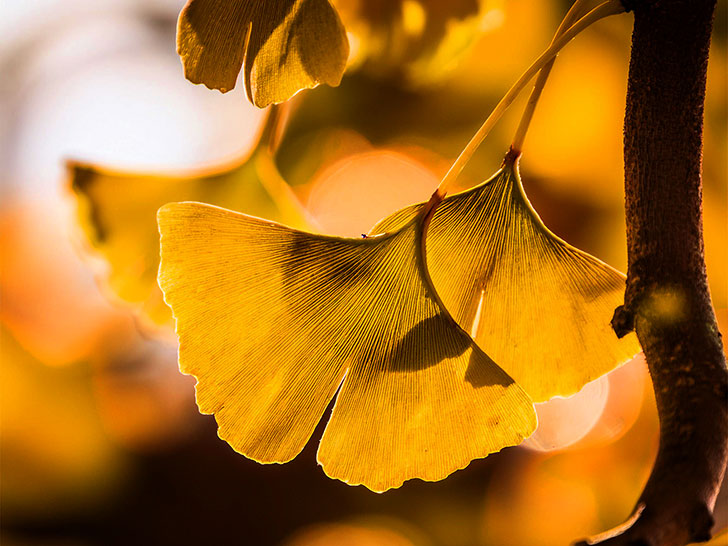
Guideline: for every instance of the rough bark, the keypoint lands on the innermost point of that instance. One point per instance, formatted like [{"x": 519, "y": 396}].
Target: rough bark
[{"x": 667, "y": 301}]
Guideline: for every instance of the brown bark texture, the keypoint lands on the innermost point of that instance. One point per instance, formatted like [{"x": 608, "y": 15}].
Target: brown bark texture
[{"x": 667, "y": 301}]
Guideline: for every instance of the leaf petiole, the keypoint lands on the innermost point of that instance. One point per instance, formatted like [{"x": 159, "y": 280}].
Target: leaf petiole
[
  {"x": 274, "y": 126},
  {"x": 610, "y": 7},
  {"x": 576, "y": 12}
]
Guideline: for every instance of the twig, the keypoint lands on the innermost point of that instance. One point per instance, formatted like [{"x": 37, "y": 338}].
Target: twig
[
  {"x": 667, "y": 301},
  {"x": 605, "y": 9},
  {"x": 577, "y": 11}
]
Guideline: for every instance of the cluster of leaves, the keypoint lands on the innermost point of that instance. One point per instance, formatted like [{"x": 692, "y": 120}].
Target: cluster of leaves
[
  {"x": 276, "y": 322},
  {"x": 284, "y": 46}
]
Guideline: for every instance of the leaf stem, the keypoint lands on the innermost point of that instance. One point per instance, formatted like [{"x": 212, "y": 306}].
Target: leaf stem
[
  {"x": 274, "y": 127},
  {"x": 663, "y": 150},
  {"x": 578, "y": 9},
  {"x": 610, "y": 7}
]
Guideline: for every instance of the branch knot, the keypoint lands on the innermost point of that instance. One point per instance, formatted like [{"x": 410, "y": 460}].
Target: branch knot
[{"x": 622, "y": 321}]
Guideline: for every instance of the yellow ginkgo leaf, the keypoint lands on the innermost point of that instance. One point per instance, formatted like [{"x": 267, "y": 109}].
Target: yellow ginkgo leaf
[
  {"x": 118, "y": 214},
  {"x": 420, "y": 39},
  {"x": 283, "y": 45},
  {"x": 540, "y": 307},
  {"x": 273, "y": 321}
]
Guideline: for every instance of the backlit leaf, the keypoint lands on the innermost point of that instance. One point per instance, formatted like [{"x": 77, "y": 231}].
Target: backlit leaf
[
  {"x": 118, "y": 214},
  {"x": 273, "y": 321},
  {"x": 540, "y": 307},
  {"x": 417, "y": 38},
  {"x": 283, "y": 45}
]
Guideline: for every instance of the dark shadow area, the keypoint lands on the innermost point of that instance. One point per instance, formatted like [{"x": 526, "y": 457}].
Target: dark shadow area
[
  {"x": 312, "y": 12},
  {"x": 484, "y": 372},
  {"x": 82, "y": 179},
  {"x": 327, "y": 26},
  {"x": 202, "y": 492},
  {"x": 429, "y": 342},
  {"x": 433, "y": 340},
  {"x": 263, "y": 28},
  {"x": 323, "y": 261}
]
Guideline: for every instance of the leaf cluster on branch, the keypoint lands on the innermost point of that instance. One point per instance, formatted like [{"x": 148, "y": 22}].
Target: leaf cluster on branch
[{"x": 434, "y": 333}]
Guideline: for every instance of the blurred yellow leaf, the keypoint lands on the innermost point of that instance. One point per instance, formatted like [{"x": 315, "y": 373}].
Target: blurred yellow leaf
[
  {"x": 273, "y": 321},
  {"x": 118, "y": 213},
  {"x": 419, "y": 38},
  {"x": 283, "y": 45},
  {"x": 36, "y": 305},
  {"x": 540, "y": 307},
  {"x": 55, "y": 455}
]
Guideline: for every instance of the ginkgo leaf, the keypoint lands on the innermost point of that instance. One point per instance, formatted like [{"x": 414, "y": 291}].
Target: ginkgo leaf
[
  {"x": 273, "y": 321},
  {"x": 118, "y": 211},
  {"x": 540, "y": 307},
  {"x": 283, "y": 45},
  {"x": 417, "y": 38}
]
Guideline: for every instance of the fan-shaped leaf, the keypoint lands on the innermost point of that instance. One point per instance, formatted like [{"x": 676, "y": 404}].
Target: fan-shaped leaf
[
  {"x": 118, "y": 214},
  {"x": 284, "y": 45},
  {"x": 539, "y": 306},
  {"x": 272, "y": 321},
  {"x": 417, "y": 38}
]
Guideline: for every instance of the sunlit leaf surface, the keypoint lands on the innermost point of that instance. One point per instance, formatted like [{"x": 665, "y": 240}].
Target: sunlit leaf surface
[
  {"x": 283, "y": 45},
  {"x": 118, "y": 214},
  {"x": 540, "y": 307},
  {"x": 273, "y": 321}
]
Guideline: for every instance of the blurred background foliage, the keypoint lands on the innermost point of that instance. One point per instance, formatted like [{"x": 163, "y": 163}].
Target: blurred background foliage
[{"x": 101, "y": 440}]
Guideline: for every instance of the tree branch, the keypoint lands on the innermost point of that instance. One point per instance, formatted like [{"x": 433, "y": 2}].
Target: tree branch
[{"x": 667, "y": 300}]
